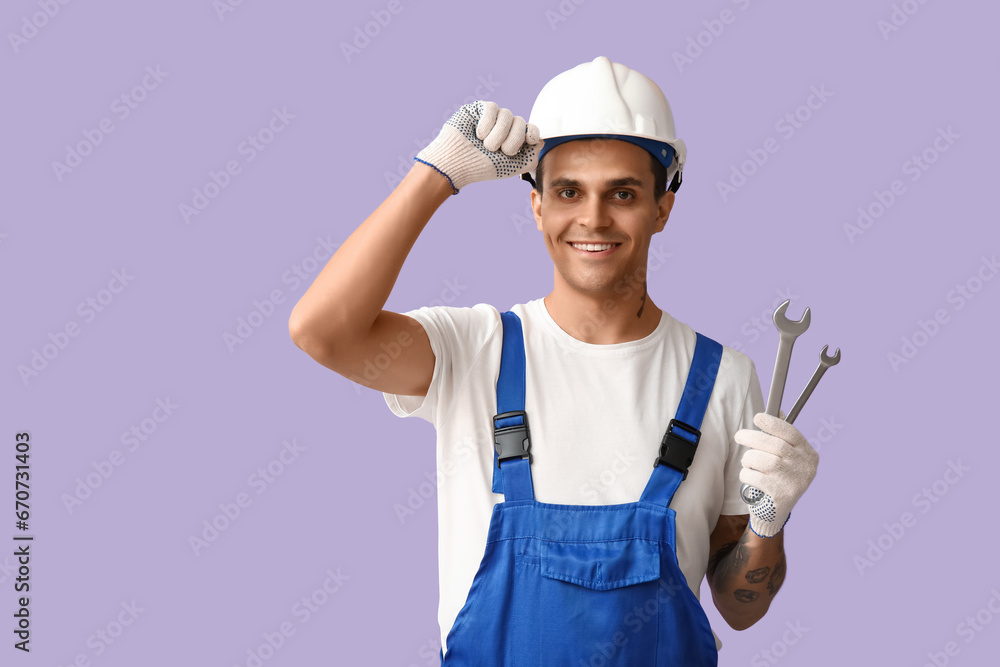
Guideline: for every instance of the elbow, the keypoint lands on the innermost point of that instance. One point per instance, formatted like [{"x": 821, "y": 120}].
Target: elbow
[
  {"x": 323, "y": 343},
  {"x": 741, "y": 624},
  {"x": 296, "y": 330},
  {"x": 743, "y": 618},
  {"x": 303, "y": 335},
  {"x": 740, "y": 617},
  {"x": 324, "y": 335}
]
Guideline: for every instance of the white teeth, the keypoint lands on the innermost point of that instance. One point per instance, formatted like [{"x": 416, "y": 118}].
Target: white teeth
[{"x": 593, "y": 247}]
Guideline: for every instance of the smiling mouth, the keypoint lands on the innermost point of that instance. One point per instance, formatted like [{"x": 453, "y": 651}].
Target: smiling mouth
[{"x": 594, "y": 247}]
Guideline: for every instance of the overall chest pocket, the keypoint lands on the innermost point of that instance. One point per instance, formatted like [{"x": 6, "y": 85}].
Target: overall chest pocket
[
  {"x": 601, "y": 566},
  {"x": 595, "y": 602}
]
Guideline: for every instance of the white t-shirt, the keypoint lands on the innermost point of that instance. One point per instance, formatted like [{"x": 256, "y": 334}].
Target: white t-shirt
[{"x": 597, "y": 414}]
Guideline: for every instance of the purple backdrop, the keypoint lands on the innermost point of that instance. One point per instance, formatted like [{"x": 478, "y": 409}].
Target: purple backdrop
[{"x": 175, "y": 174}]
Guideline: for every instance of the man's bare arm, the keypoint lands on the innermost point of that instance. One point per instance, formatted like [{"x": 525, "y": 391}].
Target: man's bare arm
[
  {"x": 744, "y": 570},
  {"x": 746, "y": 565},
  {"x": 339, "y": 321}
]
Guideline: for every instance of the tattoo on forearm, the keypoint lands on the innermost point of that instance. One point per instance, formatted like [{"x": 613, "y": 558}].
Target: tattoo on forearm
[
  {"x": 758, "y": 575},
  {"x": 741, "y": 554},
  {"x": 643, "y": 304},
  {"x": 729, "y": 561},
  {"x": 713, "y": 562},
  {"x": 743, "y": 595},
  {"x": 777, "y": 577}
]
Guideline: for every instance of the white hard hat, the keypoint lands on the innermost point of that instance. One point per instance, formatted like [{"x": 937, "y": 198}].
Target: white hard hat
[{"x": 606, "y": 99}]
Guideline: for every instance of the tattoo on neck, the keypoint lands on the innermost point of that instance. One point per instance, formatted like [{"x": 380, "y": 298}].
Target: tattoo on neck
[{"x": 643, "y": 304}]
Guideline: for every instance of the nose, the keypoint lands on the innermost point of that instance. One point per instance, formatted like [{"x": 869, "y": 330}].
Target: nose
[{"x": 594, "y": 214}]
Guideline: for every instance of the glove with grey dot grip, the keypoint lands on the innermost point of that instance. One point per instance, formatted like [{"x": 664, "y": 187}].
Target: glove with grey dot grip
[
  {"x": 482, "y": 142},
  {"x": 781, "y": 464}
]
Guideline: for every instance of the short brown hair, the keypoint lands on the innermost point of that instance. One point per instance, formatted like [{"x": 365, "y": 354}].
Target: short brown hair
[{"x": 659, "y": 173}]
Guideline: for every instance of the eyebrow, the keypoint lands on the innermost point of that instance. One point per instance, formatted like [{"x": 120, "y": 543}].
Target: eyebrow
[{"x": 562, "y": 181}]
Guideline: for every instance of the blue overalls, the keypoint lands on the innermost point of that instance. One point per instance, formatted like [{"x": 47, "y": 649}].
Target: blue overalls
[{"x": 583, "y": 585}]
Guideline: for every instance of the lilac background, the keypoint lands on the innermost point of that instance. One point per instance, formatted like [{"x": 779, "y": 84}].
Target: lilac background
[{"x": 358, "y": 119}]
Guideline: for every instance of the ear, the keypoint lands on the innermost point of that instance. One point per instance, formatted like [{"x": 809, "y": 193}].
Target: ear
[
  {"x": 536, "y": 207},
  {"x": 663, "y": 209}
]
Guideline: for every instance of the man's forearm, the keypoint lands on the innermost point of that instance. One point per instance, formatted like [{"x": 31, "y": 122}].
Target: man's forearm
[
  {"x": 745, "y": 575},
  {"x": 350, "y": 291}
]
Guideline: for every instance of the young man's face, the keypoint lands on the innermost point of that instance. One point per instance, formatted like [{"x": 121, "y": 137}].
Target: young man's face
[{"x": 599, "y": 192}]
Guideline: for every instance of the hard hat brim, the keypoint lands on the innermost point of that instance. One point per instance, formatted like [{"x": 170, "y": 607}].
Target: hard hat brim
[{"x": 661, "y": 150}]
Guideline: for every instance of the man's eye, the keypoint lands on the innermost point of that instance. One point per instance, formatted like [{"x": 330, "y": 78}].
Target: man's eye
[
  {"x": 567, "y": 194},
  {"x": 623, "y": 194}
]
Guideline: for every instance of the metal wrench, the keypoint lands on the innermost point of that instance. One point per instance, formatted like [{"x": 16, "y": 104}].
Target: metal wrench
[
  {"x": 789, "y": 331},
  {"x": 824, "y": 363},
  {"x": 752, "y": 496}
]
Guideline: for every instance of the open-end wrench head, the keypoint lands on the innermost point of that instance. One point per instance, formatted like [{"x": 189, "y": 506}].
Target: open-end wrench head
[
  {"x": 788, "y": 326},
  {"x": 828, "y": 360}
]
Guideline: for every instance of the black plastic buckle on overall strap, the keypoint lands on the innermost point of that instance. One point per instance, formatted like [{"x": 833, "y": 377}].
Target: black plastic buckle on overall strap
[
  {"x": 511, "y": 442},
  {"x": 677, "y": 451}
]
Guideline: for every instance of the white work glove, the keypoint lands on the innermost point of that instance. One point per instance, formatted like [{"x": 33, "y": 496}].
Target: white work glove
[
  {"x": 781, "y": 463},
  {"x": 466, "y": 150}
]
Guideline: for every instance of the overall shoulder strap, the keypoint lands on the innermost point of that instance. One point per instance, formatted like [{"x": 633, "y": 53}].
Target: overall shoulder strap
[
  {"x": 700, "y": 381},
  {"x": 680, "y": 442},
  {"x": 511, "y": 437}
]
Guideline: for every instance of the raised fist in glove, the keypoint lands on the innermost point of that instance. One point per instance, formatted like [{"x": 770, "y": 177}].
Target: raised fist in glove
[
  {"x": 482, "y": 142},
  {"x": 781, "y": 463}
]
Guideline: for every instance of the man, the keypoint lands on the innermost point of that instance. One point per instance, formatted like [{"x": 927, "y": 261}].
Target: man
[{"x": 582, "y": 563}]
